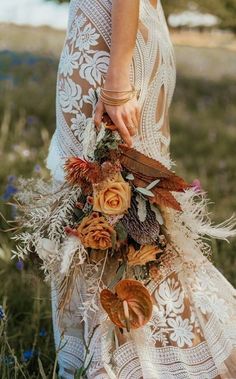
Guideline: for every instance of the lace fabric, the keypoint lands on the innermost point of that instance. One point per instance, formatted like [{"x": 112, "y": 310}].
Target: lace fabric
[
  {"x": 83, "y": 63},
  {"x": 192, "y": 331}
]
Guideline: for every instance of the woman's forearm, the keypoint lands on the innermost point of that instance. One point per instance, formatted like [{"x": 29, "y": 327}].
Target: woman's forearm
[{"x": 125, "y": 16}]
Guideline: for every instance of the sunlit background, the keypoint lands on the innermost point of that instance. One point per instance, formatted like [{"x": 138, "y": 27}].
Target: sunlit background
[{"x": 203, "y": 124}]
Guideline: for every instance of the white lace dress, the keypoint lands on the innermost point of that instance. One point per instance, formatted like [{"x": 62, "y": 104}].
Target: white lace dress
[{"x": 192, "y": 333}]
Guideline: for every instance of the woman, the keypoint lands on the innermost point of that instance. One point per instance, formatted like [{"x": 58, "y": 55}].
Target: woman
[{"x": 114, "y": 46}]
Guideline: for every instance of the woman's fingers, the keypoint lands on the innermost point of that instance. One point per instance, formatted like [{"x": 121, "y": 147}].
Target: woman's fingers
[
  {"x": 138, "y": 114},
  {"x": 131, "y": 121},
  {"x": 98, "y": 113},
  {"x": 131, "y": 124},
  {"x": 123, "y": 131},
  {"x": 125, "y": 119}
]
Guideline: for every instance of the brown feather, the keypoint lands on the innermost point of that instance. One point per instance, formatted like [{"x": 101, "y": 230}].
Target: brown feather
[
  {"x": 165, "y": 198},
  {"x": 139, "y": 163},
  {"x": 175, "y": 183}
]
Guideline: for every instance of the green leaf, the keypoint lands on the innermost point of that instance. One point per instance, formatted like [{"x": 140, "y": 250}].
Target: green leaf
[
  {"x": 113, "y": 240},
  {"x": 130, "y": 176},
  {"x": 121, "y": 231},
  {"x": 153, "y": 184},
  {"x": 79, "y": 213},
  {"x": 158, "y": 214},
  {"x": 79, "y": 373},
  {"x": 144, "y": 191},
  {"x": 113, "y": 145},
  {"x": 119, "y": 275}
]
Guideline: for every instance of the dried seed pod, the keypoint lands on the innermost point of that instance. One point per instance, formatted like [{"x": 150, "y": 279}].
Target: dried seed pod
[{"x": 145, "y": 232}]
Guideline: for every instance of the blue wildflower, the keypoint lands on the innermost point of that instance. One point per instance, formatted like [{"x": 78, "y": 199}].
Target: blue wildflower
[
  {"x": 2, "y": 313},
  {"x": 28, "y": 354},
  {"x": 32, "y": 120},
  {"x": 10, "y": 189},
  {"x": 20, "y": 265},
  {"x": 37, "y": 168},
  {"x": 8, "y": 360},
  {"x": 42, "y": 332}
]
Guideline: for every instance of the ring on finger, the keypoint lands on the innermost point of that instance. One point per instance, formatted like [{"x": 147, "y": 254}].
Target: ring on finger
[{"x": 131, "y": 127}]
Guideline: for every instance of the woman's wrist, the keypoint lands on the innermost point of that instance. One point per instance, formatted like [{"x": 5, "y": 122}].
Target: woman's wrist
[{"x": 118, "y": 78}]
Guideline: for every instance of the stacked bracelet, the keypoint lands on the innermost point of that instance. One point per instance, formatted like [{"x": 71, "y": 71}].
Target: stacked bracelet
[{"x": 115, "y": 101}]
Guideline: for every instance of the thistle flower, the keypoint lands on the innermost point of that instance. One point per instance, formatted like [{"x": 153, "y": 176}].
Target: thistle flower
[
  {"x": 196, "y": 185},
  {"x": 81, "y": 172}
]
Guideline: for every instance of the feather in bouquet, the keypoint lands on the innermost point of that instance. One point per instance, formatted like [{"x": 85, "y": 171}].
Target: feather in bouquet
[{"x": 110, "y": 205}]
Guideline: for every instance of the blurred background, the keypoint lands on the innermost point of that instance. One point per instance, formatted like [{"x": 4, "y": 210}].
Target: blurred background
[{"x": 203, "y": 123}]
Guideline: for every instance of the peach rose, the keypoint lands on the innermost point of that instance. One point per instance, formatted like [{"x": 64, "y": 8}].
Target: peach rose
[
  {"x": 95, "y": 232},
  {"x": 114, "y": 198},
  {"x": 146, "y": 253}
]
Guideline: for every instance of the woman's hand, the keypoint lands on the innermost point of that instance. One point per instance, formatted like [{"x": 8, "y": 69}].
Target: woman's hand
[{"x": 125, "y": 118}]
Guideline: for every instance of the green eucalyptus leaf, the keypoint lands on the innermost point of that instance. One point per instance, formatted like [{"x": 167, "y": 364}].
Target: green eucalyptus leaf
[
  {"x": 121, "y": 231},
  {"x": 153, "y": 184},
  {"x": 113, "y": 240},
  {"x": 130, "y": 176},
  {"x": 113, "y": 145},
  {"x": 158, "y": 214},
  {"x": 79, "y": 213},
  {"x": 119, "y": 275},
  {"x": 144, "y": 191}
]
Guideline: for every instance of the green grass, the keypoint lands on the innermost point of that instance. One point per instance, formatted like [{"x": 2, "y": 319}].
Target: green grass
[{"x": 203, "y": 145}]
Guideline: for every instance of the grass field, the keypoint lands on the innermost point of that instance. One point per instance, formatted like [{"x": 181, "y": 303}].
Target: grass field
[{"x": 203, "y": 124}]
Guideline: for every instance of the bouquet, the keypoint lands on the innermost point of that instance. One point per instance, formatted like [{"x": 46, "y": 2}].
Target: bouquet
[{"x": 110, "y": 205}]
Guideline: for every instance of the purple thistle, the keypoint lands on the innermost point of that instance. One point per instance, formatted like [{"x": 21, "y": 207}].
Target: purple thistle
[{"x": 196, "y": 185}]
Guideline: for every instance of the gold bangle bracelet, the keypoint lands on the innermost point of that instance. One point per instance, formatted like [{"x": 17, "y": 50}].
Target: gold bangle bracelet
[
  {"x": 114, "y": 101},
  {"x": 121, "y": 91},
  {"x": 111, "y": 98}
]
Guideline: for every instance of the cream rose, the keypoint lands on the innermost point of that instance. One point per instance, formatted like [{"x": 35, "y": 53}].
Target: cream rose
[{"x": 114, "y": 198}]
